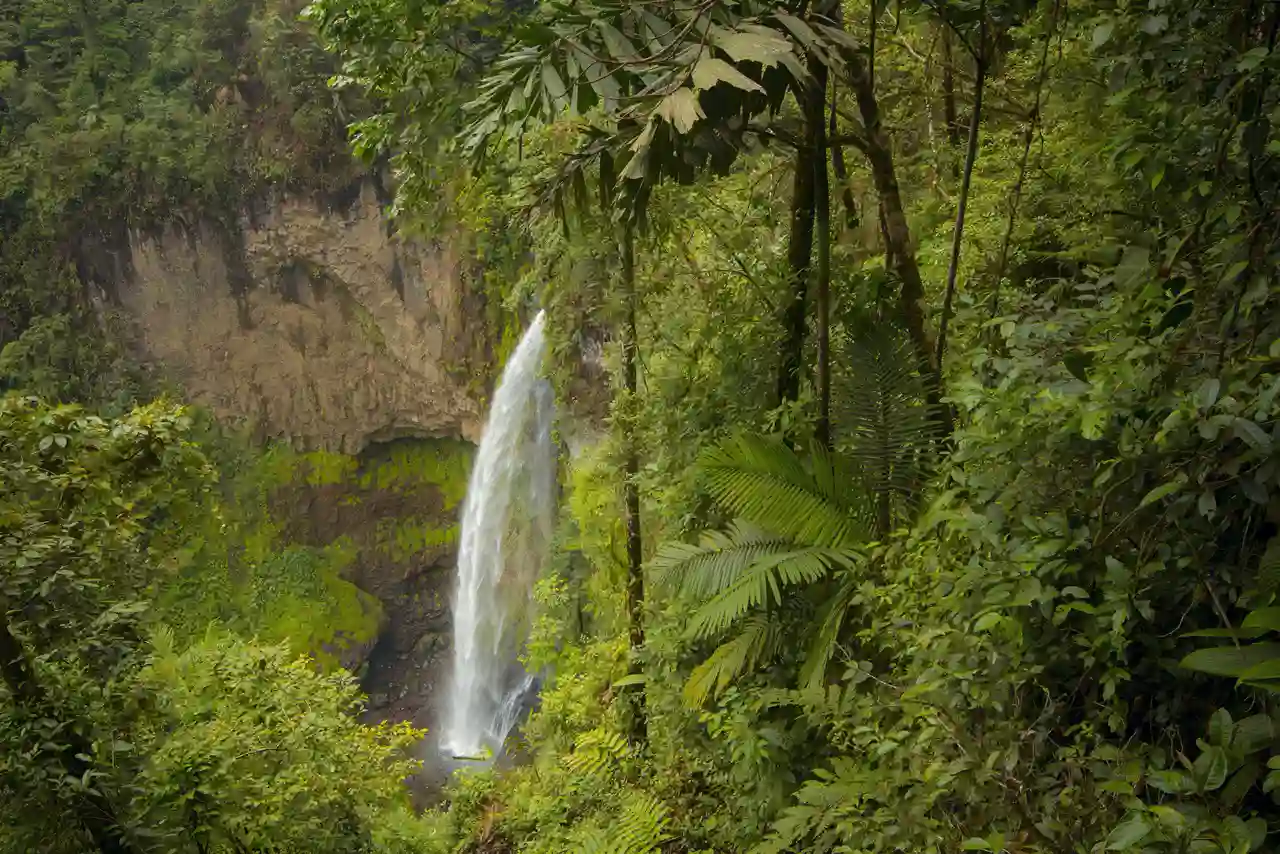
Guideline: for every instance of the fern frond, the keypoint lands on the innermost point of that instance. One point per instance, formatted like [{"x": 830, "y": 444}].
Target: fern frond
[
  {"x": 822, "y": 646},
  {"x": 762, "y": 480},
  {"x": 596, "y": 751},
  {"x": 705, "y": 569},
  {"x": 883, "y": 422},
  {"x": 819, "y": 820},
  {"x": 764, "y": 581},
  {"x": 757, "y": 643},
  {"x": 642, "y": 824}
]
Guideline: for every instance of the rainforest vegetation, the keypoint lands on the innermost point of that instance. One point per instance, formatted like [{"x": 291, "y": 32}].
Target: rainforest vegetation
[{"x": 931, "y": 496}]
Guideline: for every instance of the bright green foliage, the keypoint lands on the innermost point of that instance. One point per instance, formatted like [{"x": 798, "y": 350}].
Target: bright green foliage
[
  {"x": 251, "y": 748},
  {"x": 221, "y": 745},
  {"x": 802, "y": 523}
]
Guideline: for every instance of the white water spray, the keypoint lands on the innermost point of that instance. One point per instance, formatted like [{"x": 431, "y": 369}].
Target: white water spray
[{"x": 506, "y": 530}]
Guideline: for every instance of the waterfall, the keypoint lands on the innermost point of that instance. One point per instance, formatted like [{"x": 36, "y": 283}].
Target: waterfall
[{"x": 506, "y": 531}]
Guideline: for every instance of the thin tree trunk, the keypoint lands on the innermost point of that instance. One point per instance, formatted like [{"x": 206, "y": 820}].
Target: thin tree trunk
[
  {"x": 822, "y": 193},
  {"x": 1028, "y": 135},
  {"x": 799, "y": 260},
  {"x": 97, "y": 814},
  {"x": 949, "y": 90},
  {"x": 970, "y": 155},
  {"x": 630, "y": 488},
  {"x": 851, "y": 218},
  {"x": 897, "y": 236}
]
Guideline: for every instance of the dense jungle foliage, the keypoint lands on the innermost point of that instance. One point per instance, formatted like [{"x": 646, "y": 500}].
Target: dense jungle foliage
[{"x": 935, "y": 506}]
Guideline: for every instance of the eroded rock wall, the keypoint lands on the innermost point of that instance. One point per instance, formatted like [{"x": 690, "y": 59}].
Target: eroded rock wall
[{"x": 310, "y": 325}]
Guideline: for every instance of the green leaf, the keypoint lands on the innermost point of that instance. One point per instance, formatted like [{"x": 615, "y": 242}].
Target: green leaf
[
  {"x": 1210, "y": 769},
  {"x": 553, "y": 86},
  {"x": 1102, "y": 33},
  {"x": 1262, "y": 672},
  {"x": 681, "y": 109},
  {"x": 1128, "y": 833},
  {"x": 975, "y": 843},
  {"x": 619, "y": 45},
  {"x": 1093, "y": 422},
  {"x": 1169, "y": 817},
  {"x": 1170, "y": 782},
  {"x": 1263, "y": 618},
  {"x": 1164, "y": 490},
  {"x": 1237, "y": 634},
  {"x": 1254, "y": 733},
  {"x": 1220, "y": 728},
  {"x": 1233, "y": 272},
  {"x": 709, "y": 71},
  {"x": 1253, "y": 435},
  {"x": 987, "y": 621},
  {"x": 1229, "y": 660},
  {"x": 759, "y": 45},
  {"x": 1207, "y": 394},
  {"x": 1153, "y": 25}
]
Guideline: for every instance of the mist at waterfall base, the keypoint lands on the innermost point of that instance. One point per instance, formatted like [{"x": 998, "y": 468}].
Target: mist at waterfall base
[{"x": 506, "y": 532}]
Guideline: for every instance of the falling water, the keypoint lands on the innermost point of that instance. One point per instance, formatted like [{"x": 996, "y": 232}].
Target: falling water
[{"x": 506, "y": 529}]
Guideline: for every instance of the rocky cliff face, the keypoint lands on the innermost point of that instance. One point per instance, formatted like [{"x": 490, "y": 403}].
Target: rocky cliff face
[
  {"x": 316, "y": 326},
  {"x": 310, "y": 324}
]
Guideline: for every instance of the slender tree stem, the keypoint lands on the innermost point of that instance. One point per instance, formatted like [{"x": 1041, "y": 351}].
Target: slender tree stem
[
  {"x": 1028, "y": 134},
  {"x": 822, "y": 193},
  {"x": 799, "y": 250},
  {"x": 971, "y": 154},
  {"x": 630, "y": 486},
  {"x": 949, "y": 90}
]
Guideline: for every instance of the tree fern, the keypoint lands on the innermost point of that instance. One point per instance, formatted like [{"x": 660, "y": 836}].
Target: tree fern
[
  {"x": 883, "y": 425},
  {"x": 820, "y": 820},
  {"x": 802, "y": 517},
  {"x": 638, "y": 827},
  {"x": 822, "y": 645}
]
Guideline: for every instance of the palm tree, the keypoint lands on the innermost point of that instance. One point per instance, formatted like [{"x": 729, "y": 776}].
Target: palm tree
[{"x": 803, "y": 521}]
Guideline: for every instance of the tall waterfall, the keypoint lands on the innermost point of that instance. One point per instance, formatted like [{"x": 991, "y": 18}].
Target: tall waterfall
[{"x": 506, "y": 531}]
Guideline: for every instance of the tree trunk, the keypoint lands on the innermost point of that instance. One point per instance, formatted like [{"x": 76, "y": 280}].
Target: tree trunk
[
  {"x": 841, "y": 171},
  {"x": 822, "y": 198},
  {"x": 630, "y": 488},
  {"x": 949, "y": 90},
  {"x": 96, "y": 814},
  {"x": 799, "y": 259},
  {"x": 957, "y": 234},
  {"x": 897, "y": 236}
]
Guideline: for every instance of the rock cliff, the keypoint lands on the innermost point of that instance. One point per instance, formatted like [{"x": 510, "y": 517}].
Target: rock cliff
[{"x": 310, "y": 324}]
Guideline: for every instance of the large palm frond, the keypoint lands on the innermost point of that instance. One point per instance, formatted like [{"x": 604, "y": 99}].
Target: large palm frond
[
  {"x": 826, "y": 637},
  {"x": 761, "y": 584},
  {"x": 883, "y": 423},
  {"x": 756, "y": 643},
  {"x": 703, "y": 570},
  {"x": 767, "y": 483}
]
